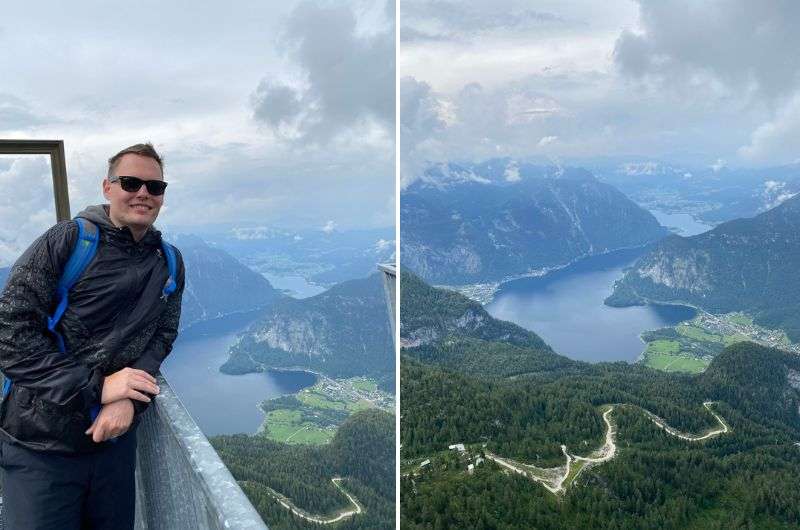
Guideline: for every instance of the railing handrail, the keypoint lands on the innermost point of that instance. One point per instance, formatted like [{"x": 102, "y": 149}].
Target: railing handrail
[{"x": 168, "y": 432}]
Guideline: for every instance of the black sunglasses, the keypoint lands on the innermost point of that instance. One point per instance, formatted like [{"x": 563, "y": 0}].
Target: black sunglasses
[{"x": 133, "y": 184}]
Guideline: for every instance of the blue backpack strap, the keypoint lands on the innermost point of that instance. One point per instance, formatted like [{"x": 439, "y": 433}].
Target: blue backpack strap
[
  {"x": 82, "y": 254},
  {"x": 171, "y": 284}
]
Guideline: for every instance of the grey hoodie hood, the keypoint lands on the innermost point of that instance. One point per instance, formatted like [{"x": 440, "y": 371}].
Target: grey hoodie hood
[{"x": 98, "y": 214}]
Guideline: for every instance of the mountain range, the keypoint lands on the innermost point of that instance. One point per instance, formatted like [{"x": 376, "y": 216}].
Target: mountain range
[
  {"x": 742, "y": 265},
  {"x": 342, "y": 332},
  {"x": 324, "y": 257},
  {"x": 714, "y": 194},
  {"x": 479, "y": 223},
  {"x": 217, "y": 284}
]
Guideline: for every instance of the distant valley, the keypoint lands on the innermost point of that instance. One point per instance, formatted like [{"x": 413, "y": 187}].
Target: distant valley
[
  {"x": 217, "y": 284},
  {"x": 500, "y": 430},
  {"x": 321, "y": 257},
  {"x": 713, "y": 194}
]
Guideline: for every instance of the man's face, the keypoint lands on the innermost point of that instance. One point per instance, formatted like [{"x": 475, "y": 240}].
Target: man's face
[{"x": 137, "y": 210}]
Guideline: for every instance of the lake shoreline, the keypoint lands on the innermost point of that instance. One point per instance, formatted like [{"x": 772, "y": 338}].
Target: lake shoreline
[{"x": 566, "y": 308}]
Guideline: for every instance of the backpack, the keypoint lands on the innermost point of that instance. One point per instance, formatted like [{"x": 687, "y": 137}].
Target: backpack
[{"x": 82, "y": 254}]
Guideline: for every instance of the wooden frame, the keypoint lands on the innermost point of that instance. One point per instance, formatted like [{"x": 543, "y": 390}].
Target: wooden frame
[{"x": 58, "y": 165}]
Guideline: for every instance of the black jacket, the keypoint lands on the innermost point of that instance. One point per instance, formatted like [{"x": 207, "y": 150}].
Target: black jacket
[{"x": 116, "y": 317}]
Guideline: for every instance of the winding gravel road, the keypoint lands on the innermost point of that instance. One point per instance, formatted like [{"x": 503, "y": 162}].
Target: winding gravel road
[
  {"x": 319, "y": 519},
  {"x": 556, "y": 480}
]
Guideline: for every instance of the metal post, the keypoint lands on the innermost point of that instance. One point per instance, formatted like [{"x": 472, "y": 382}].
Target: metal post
[{"x": 58, "y": 166}]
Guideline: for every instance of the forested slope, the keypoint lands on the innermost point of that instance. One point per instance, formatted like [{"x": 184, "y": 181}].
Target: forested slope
[
  {"x": 744, "y": 478},
  {"x": 362, "y": 453}
]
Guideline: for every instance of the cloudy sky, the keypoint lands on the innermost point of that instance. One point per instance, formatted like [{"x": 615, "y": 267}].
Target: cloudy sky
[
  {"x": 271, "y": 113},
  {"x": 702, "y": 83}
]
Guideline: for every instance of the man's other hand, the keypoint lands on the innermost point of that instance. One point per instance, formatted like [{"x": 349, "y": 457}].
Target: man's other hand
[
  {"x": 128, "y": 383},
  {"x": 114, "y": 420}
]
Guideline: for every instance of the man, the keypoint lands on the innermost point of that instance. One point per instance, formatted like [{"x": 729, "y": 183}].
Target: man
[{"x": 61, "y": 469}]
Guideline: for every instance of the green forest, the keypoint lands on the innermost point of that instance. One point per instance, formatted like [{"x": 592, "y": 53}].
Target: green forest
[
  {"x": 362, "y": 453},
  {"x": 524, "y": 406}
]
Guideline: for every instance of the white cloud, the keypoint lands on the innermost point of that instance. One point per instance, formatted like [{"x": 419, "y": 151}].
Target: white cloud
[
  {"x": 640, "y": 168},
  {"x": 383, "y": 244},
  {"x": 348, "y": 77},
  {"x": 511, "y": 172},
  {"x": 27, "y": 207},
  {"x": 740, "y": 44},
  {"x": 185, "y": 83},
  {"x": 679, "y": 81},
  {"x": 777, "y": 140},
  {"x": 546, "y": 140},
  {"x": 329, "y": 227},
  {"x": 256, "y": 232},
  {"x": 775, "y": 193}
]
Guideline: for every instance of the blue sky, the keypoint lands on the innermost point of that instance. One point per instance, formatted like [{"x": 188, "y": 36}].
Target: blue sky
[
  {"x": 701, "y": 83},
  {"x": 269, "y": 113}
]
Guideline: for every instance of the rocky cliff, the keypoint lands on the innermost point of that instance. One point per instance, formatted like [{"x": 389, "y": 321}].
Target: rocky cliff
[{"x": 341, "y": 332}]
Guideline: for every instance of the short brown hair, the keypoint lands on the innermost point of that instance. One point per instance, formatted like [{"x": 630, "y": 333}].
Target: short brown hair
[{"x": 139, "y": 149}]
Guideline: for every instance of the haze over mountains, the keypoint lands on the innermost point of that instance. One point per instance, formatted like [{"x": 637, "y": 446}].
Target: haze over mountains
[
  {"x": 325, "y": 256},
  {"x": 714, "y": 194},
  {"x": 485, "y": 222},
  {"x": 743, "y": 265},
  {"x": 217, "y": 284}
]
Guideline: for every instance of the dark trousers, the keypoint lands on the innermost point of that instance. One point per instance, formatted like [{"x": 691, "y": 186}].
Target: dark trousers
[{"x": 46, "y": 491}]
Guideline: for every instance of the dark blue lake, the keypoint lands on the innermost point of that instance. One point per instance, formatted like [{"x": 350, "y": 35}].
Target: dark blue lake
[
  {"x": 566, "y": 309},
  {"x": 220, "y": 403}
]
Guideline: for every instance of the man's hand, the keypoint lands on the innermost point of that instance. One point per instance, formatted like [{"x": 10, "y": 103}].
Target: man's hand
[
  {"x": 128, "y": 383},
  {"x": 114, "y": 419}
]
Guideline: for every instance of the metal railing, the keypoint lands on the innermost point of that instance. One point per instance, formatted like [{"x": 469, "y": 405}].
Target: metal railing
[
  {"x": 181, "y": 483},
  {"x": 389, "y": 286}
]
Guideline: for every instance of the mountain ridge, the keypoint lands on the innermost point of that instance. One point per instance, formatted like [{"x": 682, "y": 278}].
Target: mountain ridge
[
  {"x": 485, "y": 222},
  {"x": 741, "y": 265},
  {"x": 322, "y": 333}
]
